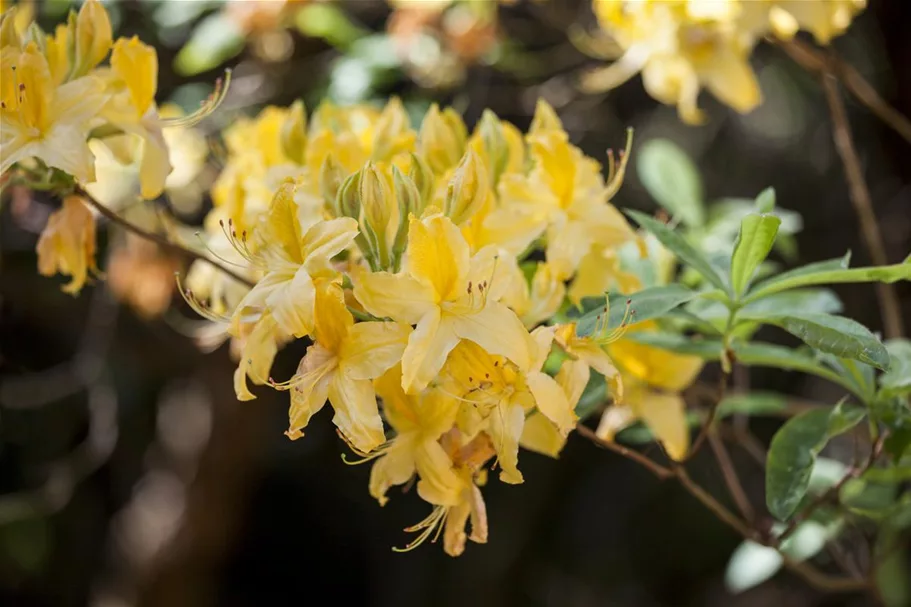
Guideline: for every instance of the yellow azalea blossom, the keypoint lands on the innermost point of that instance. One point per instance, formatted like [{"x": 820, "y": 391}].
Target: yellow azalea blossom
[
  {"x": 40, "y": 120},
  {"x": 443, "y": 137},
  {"x": 588, "y": 350},
  {"x": 599, "y": 272},
  {"x": 679, "y": 47},
  {"x": 502, "y": 393},
  {"x": 447, "y": 294},
  {"x": 291, "y": 258},
  {"x": 134, "y": 82},
  {"x": 566, "y": 196},
  {"x": 67, "y": 244},
  {"x": 340, "y": 365},
  {"x": 537, "y": 301},
  {"x": 652, "y": 379},
  {"x": 419, "y": 421},
  {"x": 462, "y": 504}
]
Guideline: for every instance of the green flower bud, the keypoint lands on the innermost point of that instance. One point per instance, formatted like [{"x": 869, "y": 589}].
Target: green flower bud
[
  {"x": 442, "y": 138},
  {"x": 467, "y": 190},
  {"x": 331, "y": 178},
  {"x": 294, "y": 133}
]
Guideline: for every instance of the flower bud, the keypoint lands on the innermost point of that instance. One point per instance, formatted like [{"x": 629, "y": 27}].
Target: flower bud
[
  {"x": 348, "y": 201},
  {"x": 8, "y": 34},
  {"x": 294, "y": 133},
  {"x": 422, "y": 177},
  {"x": 545, "y": 120},
  {"x": 393, "y": 133},
  {"x": 467, "y": 190},
  {"x": 376, "y": 201},
  {"x": 331, "y": 177},
  {"x": 494, "y": 143},
  {"x": 442, "y": 138},
  {"x": 409, "y": 202},
  {"x": 93, "y": 36}
]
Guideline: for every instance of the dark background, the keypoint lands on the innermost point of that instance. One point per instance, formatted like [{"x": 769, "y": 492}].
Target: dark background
[{"x": 129, "y": 474}]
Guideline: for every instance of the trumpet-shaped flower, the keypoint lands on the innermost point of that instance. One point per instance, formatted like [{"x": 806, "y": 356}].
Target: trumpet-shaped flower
[
  {"x": 340, "y": 367},
  {"x": 41, "y": 120},
  {"x": 653, "y": 379},
  {"x": 291, "y": 259},
  {"x": 419, "y": 421},
  {"x": 448, "y": 295},
  {"x": 503, "y": 393},
  {"x": 67, "y": 244},
  {"x": 133, "y": 82}
]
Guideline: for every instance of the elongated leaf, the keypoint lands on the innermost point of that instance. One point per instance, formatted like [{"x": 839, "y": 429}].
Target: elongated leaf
[
  {"x": 836, "y": 335},
  {"x": 794, "y": 302},
  {"x": 757, "y": 235},
  {"x": 780, "y": 357},
  {"x": 752, "y": 403},
  {"x": 823, "y": 273},
  {"x": 898, "y": 380},
  {"x": 672, "y": 179},
  {"x": 765, "y": 202},
  {"x": 793, "y": 452},
  {"x": 646, "y": 304},
  {"x": 677, "y": 245}
]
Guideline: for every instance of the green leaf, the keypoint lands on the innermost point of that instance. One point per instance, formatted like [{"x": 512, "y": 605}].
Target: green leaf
[
  {"x": 765, "y": 202},
  {"x": 836, "y": 335},
  {"x": 897, "y": 474},
  {"x": 672, "y": 179},
  {"x": 677, "y": 245},
  {"x": 826, "y": 272},
  {"x": 215, "y": 39},
  {"x": 793, "y": 452},
  {"x": 897, "y": 381},
  {"x": 780, "y": 357},
  {"x": 322, "y": 20},
  {"x": 708, "y": 349},
  {"x": 644, "y": 305},
  {"x": 757, "y": 235},
  {"x": 753, "y": 403},
  {"x": 796, "y": 301},
  {"x": 891, "y": 571},
  {"x": 868, "y": 498}
]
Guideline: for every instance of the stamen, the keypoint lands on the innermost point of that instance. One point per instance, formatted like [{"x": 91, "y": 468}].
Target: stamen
[
  {"x": 206, "y": 108},
  {"x": 196, "y": 305},
  {"x": 432, "y": 525}
]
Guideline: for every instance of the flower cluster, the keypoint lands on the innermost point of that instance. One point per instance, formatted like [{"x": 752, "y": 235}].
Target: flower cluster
[
  {"x": 423, "y": 266},
  {"x": 680, "y": 46},
  {"x": 64, "y": 112}
]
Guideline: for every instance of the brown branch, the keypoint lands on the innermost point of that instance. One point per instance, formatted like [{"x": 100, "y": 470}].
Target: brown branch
[
  {"x": 158, "y": 239},
  {"x": 814, "y": 60},
  {"x": 735, "y": 487},
  {"x": 809, "y": 573},
  {"x": 863, "y": 204},
  {"x": 710, "y": 420},
  {"x": 655, "y": 468}
]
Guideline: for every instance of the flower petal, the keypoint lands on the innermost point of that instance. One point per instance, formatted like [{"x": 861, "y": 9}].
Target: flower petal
[
  {"x": 395, "y": 296},
  {"x": 438, "y": 253},
  {"x": 498, "y": 330},
  {"x": 396, "y": 467},
  {"x": 665, "y": 415},
  {"x": 356, "y": 413},
  {"x": 551, "y": 401},
  {"x": 370, "y": 348},
  {"x": 426, "y": 352},
  {"x": 311, "y": 388},
  {"x": 506, "y": 422}
]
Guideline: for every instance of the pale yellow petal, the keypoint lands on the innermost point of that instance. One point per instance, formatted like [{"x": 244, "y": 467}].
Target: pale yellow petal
[
  {"x": 498, "y": 330},
  {"x": 331, "y": 319},
  {"x": 541, "y": 436},
  {"x": 614, "y": 419},
  {"x": 356, "y": 413},
  {"x": 310, "y": 389},
  {"x": 665, "y": 415},
  {"x": 396, "y": 467},
  {"x": 551, "y": 401},
  {"x": 573, "y": 377},
  {"x": 428, "y": 346},
  {"x": 292, "y": 302},
  {"x": 437, "y": 252},
  {"x": 259, "y": 350},
  {"x": 324, "y": 240},
  {"x": 506, "y": 422},
  {"x": 395, "y": 296},
  {"x": 370, "y": 348},
  {"x": 657, "y": 367},
  {"x": 439, "y": 484}
]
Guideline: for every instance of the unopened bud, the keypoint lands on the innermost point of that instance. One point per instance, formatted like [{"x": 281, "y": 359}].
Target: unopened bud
[
  {"x": 376, "y": 201},
  {"x": 422, "y": 177},
  {"x": 409, "y": 201},
  {"x": 8, "y": 34},
  {"x": 496, "y": 147},
  {"x": 331, "y": 177},
  {"x": 442, "y": 138},
  {"x": 294, "y": 133},
  {"x": 93, "y": 36},
  {"x": 393, "y": 132},
  {"x": 35, "y": 34},
  {"x": 545, "y": 120},
  {"x": 468, "y": 189},
  {"x": 348, "y": 201}
]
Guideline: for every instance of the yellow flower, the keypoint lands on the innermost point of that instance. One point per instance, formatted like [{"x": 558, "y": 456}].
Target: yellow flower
[
  {"x": 134, "y": 68},
  {"x": 565, "y": 196},
  {"x": 590, "y": 351},
  {"x": 825, "y": 19},
  {"x": 679, "y": 47},
  {"x": 93, "y": 36},
  {"x": 442, "y": 138},
  {"x": 540, "y": 434},
  {"x": 501, "y": 393},
  {"x": 41, "y": 120},
  {"x": 599, "y": 272},
  {"x": 540, "y": 300},
  {"x": 652, "y": 380},
  {"x": 291, "y": 258},
  {"x": 447, "y": 294},
  {"x": 67, "y": 244},
  {"x": 419, "y": 421},
  {"x": 340, "y": 365}
]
